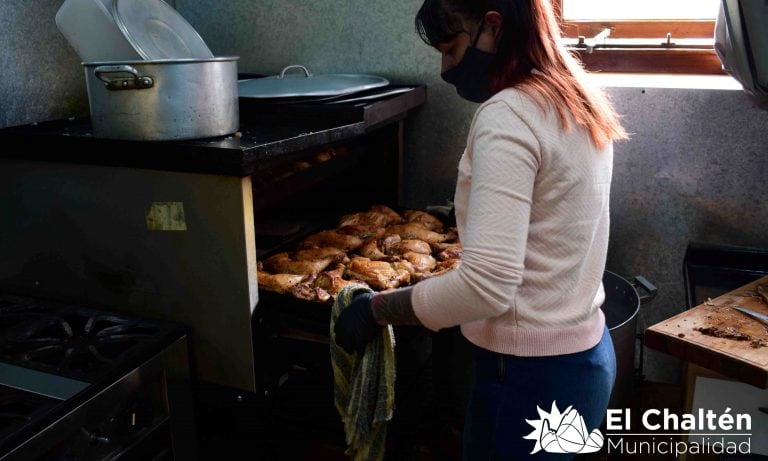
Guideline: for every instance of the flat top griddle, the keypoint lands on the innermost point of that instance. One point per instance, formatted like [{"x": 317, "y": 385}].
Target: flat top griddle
[{"x": 267, "y": 131}]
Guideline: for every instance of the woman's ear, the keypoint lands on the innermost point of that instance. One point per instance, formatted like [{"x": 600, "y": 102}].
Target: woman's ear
[{"x": 493, "y": 20}]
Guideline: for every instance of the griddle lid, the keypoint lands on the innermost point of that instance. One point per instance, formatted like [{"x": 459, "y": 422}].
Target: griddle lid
[{"x": 305, "y": 84}]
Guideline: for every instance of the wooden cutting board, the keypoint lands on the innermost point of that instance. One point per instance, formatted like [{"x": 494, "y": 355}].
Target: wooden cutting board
[{"x": 745, "y": 360}]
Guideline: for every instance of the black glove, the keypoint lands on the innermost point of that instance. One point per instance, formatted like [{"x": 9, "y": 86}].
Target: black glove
[{"x": 355, "y": 327}]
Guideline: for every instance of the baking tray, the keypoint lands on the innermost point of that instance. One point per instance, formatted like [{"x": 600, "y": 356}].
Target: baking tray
[{"x": 299, "y": 316}]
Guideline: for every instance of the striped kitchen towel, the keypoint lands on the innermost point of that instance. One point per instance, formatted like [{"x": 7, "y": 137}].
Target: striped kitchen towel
[{"x": 364, "y": 387}]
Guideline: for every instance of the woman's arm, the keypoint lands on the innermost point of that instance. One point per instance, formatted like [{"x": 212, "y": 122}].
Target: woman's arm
[
  {"x": 394, "y": 308},
  {"x": 496, "y": 201}
]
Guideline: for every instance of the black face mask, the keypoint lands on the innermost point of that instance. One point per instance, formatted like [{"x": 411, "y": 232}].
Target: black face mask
[{"x": 472, "y": 76}]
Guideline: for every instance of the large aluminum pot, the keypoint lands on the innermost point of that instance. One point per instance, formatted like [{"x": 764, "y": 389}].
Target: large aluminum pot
[{"x": 163, "y": 100}]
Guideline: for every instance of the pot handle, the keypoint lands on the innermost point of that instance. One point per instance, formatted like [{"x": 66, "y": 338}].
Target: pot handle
[
  {"x": 123, "y": 78},
  {"x": 307, "y": 73},
  {"x": 649, "y": 288}
]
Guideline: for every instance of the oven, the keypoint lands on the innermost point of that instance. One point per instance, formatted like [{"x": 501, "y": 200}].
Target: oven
[
  {"x": 175, "y": 231},
  {"x": 293, "y": 198}
]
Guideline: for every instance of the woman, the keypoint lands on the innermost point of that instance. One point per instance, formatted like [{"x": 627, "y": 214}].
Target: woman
[{"x": 531, "y": 205}]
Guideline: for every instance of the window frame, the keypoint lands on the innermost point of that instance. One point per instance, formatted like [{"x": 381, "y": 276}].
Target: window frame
[{"x": 677, "y": 60}]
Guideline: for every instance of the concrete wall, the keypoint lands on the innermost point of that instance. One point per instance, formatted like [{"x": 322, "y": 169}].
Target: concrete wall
[
  {"x": 693, "y": 170},
  {"x": 348, "y": 36},
  {"x": 41, "y": 76}
]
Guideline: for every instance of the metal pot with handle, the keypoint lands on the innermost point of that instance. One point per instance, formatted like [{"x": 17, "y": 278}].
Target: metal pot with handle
[
  {"x": 621, "y": 308},
  {"x": 163, "y": 100}
]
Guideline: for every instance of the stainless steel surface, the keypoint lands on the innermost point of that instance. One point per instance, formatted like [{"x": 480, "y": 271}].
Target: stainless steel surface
[
  {"x": 83, "y": 426},
  {"x": 77, "y": 383},
  {"x": 621, "y": 306},
  {"x": 755, "y": 315},
  {"x": 288, "y": 85},
  {"x": 307, "y": 73},
  {"x": 204, "y": 277},
  {"x": 157, "y": 31},
  {"x": 188, "y": 99},
  {"x": 114, "y": 78},
  {"x": 370, "y": 97}
]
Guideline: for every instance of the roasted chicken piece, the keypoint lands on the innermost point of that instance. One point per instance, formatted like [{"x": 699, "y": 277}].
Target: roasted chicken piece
[
  {"x": 388, "y": 242},
  {"x": 416, "y": 231},
  {"x": 421, "y": 262},
  {"x": 394, "y": 217},
  {"x": 442, "y": 246},
  {"x": 279, "y": 283},
  {"x": 427, "y": 220},
  {"x": 405, "y": 265},
  {"x": 364, "y": 232},
  {"x": 311, "y": 254},
  {"x": 411, "y": 245},
  {"x": 416, "y": 275},
  {"x": 379, "y": 275},
  {"x": 332, "y": 239},
  {"x": 372, "y": 250},
  {"x": 452, "y": 252},
  {"x": 365, "y": 218},
  {"x": 445, "y": 266},
  {"x": 308, "y": 292},
  {"x": 282, "y": 263},
  {"x": 332, "y": 281}
]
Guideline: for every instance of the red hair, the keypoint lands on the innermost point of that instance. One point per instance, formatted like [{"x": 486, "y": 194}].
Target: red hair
[{"x": 530, "y": 57}]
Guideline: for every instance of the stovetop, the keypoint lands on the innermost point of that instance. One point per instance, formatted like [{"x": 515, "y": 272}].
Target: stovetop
[
  {"x": 18, "y": 408},
  {"x": 53, "y": 355},
  {"x": 73, "y": 342}
]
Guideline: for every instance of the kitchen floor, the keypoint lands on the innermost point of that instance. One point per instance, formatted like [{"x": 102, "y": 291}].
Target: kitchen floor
[{"x": 418, "y": 433}]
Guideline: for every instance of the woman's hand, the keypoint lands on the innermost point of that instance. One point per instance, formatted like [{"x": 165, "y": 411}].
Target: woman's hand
[{"x": 356, "y": 327}]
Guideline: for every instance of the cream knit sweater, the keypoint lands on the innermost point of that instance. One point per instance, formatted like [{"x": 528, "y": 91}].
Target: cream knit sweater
[{"x": 532, "y": 212}]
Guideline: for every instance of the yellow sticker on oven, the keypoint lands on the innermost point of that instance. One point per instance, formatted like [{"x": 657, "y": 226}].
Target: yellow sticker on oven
[{"x": 166, "y": 216}]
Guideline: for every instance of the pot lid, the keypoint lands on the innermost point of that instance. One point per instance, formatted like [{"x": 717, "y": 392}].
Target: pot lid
[
  {"x": 157, "y": 31},
  {"x": 307, "y": 85}
]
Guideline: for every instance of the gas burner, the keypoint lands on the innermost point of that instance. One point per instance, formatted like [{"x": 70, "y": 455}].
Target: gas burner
[
  {"x": 78, "y": 383},
  {"x": 80, "y": 342},
  {"x": 14, "y": 311}
]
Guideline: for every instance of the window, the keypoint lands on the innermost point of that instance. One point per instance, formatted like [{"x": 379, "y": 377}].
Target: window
[
  {"x": 659, "y": 36},
  {"x": 581, "y": 10}
]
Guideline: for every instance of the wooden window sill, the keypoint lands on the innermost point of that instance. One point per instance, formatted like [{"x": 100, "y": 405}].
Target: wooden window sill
[{"x": 673, "y": 61}]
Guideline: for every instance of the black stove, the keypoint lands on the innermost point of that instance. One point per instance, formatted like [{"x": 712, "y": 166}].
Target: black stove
[{"x": 82, "y": 384}]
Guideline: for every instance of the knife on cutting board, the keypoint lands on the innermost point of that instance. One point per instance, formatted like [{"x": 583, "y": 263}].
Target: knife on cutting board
[{"x": 755, "y": 315}]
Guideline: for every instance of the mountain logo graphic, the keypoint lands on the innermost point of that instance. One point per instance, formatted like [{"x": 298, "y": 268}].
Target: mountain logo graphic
[{"x": 565, "y": 432}]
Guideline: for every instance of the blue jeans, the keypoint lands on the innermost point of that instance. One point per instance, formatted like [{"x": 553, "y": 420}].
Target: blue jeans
[{"x": 507, "y": 389}]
